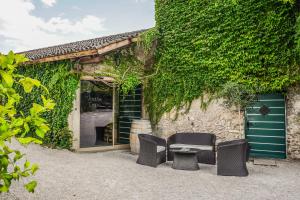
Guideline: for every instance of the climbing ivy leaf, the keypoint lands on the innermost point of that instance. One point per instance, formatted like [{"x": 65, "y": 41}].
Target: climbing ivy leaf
[{"x": 7, "y": 78}]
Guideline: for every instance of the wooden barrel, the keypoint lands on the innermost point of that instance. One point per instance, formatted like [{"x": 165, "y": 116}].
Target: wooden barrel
[{"x": 138, "y": 126}]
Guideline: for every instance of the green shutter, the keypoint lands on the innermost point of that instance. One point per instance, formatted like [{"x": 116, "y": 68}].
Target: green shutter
[{"x": 130, "y": 107}]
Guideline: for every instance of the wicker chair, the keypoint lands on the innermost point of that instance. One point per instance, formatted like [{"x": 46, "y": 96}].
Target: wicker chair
[
  {"x": 232, "y": 157},
  {"x": 192, "y": 140},
  {"x": 152, "y": 150}
]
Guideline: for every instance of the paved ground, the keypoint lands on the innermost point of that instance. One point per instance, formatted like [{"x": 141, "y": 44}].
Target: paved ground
[{"x": 65, "y": 175}]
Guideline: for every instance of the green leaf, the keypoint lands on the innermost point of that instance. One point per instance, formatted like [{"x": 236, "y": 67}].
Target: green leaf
[
  {"x": 17, "y": 169},
  {"x": 28, "y": 140},
  {"x": 7, "y": 78},
  {"x": 26, "y": 164},
  {"x": 40, "y": 132},
  {"x": 4, "y": 161},
  {"x": 7, "y": 150},
  {"x": 10, "y": 57},
  {"x": 7, "y": 179},
  {"x": 29, "y": 83},
  {"x": 17, "y": 122},
  {"x": 31, "y": 186},
  {"x": 48, "y": 103},
  {"x": 36, "y": 109},
  {"x": 34, "y": 168},
  {"x": 18, "y": 156},
  {"x": 26, "y": 127},
  {"x": 20, "y": 58},
  {"x": 25, "y": 174},
  {"x": 15, "y": 176},
  {"x": 3, "y": 188}
]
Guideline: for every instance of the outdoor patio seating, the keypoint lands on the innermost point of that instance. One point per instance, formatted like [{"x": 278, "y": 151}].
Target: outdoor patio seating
[
  {"x": 203, "y": 142},
  {"x": 152, "y": 150},
  {"x": 232, "y": 157}
]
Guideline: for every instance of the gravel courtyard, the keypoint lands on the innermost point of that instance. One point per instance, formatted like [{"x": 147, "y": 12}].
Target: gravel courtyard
[{"x": 65, "y": 175}]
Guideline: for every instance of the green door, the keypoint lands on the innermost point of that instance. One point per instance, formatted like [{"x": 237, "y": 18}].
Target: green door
[
  {"x": 130, "y": 107},
  {"x": 265, "y": 126}
]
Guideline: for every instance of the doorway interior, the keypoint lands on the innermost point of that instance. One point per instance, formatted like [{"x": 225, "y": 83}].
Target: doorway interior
[{"x": 96, "y": 114}]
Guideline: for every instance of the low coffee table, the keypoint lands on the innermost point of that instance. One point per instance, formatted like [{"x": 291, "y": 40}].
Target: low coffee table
[{"x": 185, "y": 159}]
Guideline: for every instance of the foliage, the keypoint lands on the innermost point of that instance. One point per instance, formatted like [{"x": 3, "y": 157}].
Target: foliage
[
  {"x": 59, "y": 139},
  {"x": 147, "y": 39},
  {"x": 125, "y": 68},
  {"x": 62, "y": 85},
  {"x": 288, "y": 1},
  {"x": 237, "y": 95},
  {"x": 14, "y": 123},
  {"x": 204, "y": 44}
]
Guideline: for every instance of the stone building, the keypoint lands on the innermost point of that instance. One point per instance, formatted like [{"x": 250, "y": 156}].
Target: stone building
[{"x": 101, "y": 118}]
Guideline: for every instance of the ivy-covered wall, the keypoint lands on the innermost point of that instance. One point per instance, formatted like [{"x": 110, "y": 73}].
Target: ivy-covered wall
[
  {"x": 62, "y": 85},
  {"x": 204, "y": 44}
]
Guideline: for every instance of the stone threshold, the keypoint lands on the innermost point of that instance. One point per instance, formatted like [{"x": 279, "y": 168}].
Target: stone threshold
[
  {"x": 265, "y": 162},
  {"x": 103, "y": 149}
]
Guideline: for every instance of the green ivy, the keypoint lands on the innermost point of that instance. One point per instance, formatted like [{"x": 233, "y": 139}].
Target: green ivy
[
  {"x": 62, "y": 85},
  {"x": 204, "y": 44},
  {"x": 125, "y": 68},
  {"x": 146, "y": 40}
]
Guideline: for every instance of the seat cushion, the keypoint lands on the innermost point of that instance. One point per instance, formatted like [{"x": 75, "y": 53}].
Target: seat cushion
[
  {"x": 160, "y": 148},
  {"x": 192, "y": 146}
]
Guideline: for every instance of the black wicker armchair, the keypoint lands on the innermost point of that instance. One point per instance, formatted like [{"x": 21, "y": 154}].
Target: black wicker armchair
[
  {"x": 232, "y": 157},
  {"x": 152, "y": 150},
  {"x": 194, "y": 140}
]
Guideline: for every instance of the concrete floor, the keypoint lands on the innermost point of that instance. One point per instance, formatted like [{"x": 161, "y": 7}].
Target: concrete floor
[{"x": 65, "y": 175}]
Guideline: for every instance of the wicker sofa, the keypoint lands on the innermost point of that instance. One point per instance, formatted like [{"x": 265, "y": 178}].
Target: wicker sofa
[
  {"x": 204, "y": 141},
  {"x": 152, "y": 150}
]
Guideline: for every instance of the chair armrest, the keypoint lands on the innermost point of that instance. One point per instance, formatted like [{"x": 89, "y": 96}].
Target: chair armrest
[
  {"x": 214, "y": 141},
  {"x": 171, "y": 140}
]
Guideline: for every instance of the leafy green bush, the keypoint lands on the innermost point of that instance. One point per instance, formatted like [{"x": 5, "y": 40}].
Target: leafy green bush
[
  {"x": 237, "y": 95},
  {"x": 26, "y": 127},
  {"x": 61, "y": 139},
  {"x": 204, "y": 44}
]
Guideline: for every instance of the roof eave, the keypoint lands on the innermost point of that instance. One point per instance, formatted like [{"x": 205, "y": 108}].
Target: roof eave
[{"x": 97, "y": 51}]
